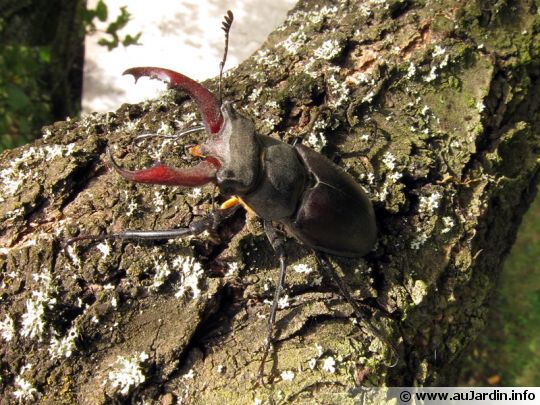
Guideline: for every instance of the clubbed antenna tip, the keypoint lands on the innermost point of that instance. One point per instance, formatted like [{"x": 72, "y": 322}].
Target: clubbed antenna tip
[{"x": 226, "y": 27}]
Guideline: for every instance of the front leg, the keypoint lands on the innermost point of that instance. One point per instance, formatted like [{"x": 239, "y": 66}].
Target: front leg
[{"x": 208, "y": 222}]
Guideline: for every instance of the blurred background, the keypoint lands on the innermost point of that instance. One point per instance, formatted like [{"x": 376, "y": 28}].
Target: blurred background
[{"x": 60, "y": 59}]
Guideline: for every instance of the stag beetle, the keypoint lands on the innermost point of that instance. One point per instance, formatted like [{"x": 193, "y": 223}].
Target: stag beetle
[{"x": 288, "y": 186}]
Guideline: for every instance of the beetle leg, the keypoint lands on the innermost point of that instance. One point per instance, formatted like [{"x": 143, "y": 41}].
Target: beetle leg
[
  {"x": 207, "y": 222},
  {"x": 346, "y": 293},
  {"x": 277, "y": 242}
]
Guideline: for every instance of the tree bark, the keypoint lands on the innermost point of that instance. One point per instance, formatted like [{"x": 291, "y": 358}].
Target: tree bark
[{"x": 432, "y": 106}]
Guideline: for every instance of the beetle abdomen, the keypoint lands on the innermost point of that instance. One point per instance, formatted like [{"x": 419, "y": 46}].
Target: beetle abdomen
[{"x": 335, "y": 214}]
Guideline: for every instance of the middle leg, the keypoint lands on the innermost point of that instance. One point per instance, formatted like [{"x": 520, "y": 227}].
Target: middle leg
[{"x": 278, "y": 244}]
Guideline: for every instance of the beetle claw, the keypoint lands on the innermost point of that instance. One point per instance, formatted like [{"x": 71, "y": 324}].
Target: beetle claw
[
  {"x": 202, "y": 173},
  {"x": 205, "y": 100}
]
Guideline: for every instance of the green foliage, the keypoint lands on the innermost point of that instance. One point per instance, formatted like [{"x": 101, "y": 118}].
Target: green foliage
[
  {"x": 101, "y": 13},
  {"x": 23, "y": 106}
]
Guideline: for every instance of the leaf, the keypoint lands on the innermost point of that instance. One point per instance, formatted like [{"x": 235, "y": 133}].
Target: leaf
[
  {"x": 44, "y": 54},
  {"x": 132, "y": 40},
  {"x": 101, "y": 11},
  {"x": 16, "y": 97}
]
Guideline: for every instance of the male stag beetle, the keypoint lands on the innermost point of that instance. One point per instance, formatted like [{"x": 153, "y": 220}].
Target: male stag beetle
[{"x": 291, "y": 187}]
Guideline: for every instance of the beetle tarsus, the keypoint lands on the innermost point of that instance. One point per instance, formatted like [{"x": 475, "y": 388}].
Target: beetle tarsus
[{"x": 323, "y": 261}]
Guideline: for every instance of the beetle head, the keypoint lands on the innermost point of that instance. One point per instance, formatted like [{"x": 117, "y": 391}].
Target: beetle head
[{"x": 230, "y": 154}]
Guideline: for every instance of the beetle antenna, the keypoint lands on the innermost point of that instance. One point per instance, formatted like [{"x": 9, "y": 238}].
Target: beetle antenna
[
  {"x": 226, "y": 27},
  {"x": 186, "y": 131}
]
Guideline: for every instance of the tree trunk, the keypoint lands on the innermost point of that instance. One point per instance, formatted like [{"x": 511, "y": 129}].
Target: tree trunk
[{"x": 432, "y": 106}]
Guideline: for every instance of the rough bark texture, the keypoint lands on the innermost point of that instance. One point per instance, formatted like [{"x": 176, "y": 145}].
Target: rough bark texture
[{"x": 432, "y": 106}]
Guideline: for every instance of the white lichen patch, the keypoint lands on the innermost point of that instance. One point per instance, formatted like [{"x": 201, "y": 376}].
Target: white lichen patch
[
  {"x": 316, "y": 140},
  {"x": 165, "y": 129},
  {"x": 74, "y": 257},
  {"x": 313, "y": 16},
  {"x": 395, "y": 176},
  {"x": 255, "y": 95},
  {"x": 438, "y": 51},
  {"x": 132, "y": 204},
  {"x": 19, "y": 170},
  {"x": 383, "y": 3},
  {"x": 411, "y": 70},
  {"x": 287, "y": 375},
  {"x": 328, "y": 50},
  {"x": 420, "y": 238},
  {"x": 283, "y": 302},
  {"x": 302, "y": 268},
  {"x": 319, "y": 349},
  {"x": 232, "y": 268},
  {"x": 339, "y": 90},
  {"x": 389, "y": 160},
  {"x": 195, "y": 193},
  {"x": 383, "y": 193},
  {"x": 432, "y": 75},
  {"x": 33, "y": 321},
  {"x": 158, "y": 201},
  {"x": 312, "y": 363},
  {"x": 63, "y": 347},
  {"x": 480, "y": 106},
  {"x": 448, "y": 224},
  {"x": 294, "y": 42},
  {"x": 26, "y": 391},
  {"x": 428, "y": 204},
  {"x": 7, "y": 328},
  {"x": 127, "y": 373},
  {"x": 426, "y": 208},
  {"x": 162, "y": 271},
  {"x": 418, "y": 291},
  {"x": 329, "y": 364},
  {"x": 104, "y": 248},
  {"x": 191, "y": 272}
]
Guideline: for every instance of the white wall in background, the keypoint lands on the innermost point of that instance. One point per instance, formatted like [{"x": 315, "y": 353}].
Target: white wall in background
[{"x": 182, "y": 35}]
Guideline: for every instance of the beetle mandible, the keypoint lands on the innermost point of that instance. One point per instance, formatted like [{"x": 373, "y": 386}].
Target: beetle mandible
[{"x": 288, "y": 186}]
